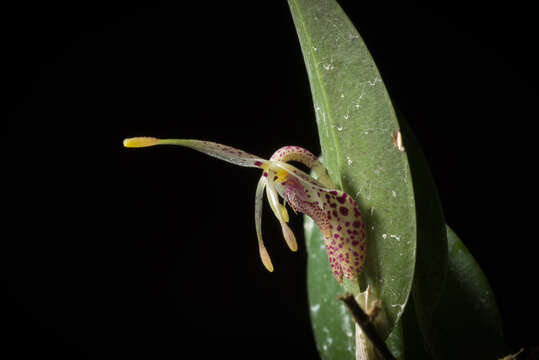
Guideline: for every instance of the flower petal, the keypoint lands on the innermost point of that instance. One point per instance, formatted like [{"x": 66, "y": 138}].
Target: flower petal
[
  {"x": 273, "y": 198},
  {"x": 259, "y": 197},
  {"x": 338, "y": 218},
  {"x": 304, "y": 156},
  {"x": 222, "y": 152}
]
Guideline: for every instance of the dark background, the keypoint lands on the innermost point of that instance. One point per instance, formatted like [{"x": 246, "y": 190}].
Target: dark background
[{"x": 152, "y": 253}]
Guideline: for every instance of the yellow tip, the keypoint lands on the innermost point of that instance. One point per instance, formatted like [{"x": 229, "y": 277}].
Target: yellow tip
[
  {"x": 137, "y": 142},
  {"x": 284, "y": 213},
  {"x": 289, "y": 237},
  {"x": 265, "y": 258}
]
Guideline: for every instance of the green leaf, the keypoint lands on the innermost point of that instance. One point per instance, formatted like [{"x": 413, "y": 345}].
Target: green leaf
[
  {"x": 467, "y": 321},
  {"x": 333, "y": 327},
  {"x": 431, "y": 257},
  {"x": 357, "y": 124},
  {"x": 395, "y": 340}
]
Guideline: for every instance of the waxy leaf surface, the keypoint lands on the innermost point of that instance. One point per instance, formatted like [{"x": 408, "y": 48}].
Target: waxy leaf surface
[{"x": 357, "y": 127}]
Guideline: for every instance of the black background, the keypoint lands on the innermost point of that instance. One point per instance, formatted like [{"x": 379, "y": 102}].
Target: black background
[{"x": 115, "y": 253}]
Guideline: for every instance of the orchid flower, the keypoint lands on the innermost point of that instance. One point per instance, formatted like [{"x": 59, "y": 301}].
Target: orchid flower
[{"x": 334, "y": 212}]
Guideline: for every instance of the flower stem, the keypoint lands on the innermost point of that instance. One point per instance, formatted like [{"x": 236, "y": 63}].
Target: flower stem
[{"x": 366, "y": 325}]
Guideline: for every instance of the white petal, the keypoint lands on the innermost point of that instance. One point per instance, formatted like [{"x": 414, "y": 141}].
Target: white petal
[
  {"x": 259, "y": 197},
  {"x": 219, "y": 151}
]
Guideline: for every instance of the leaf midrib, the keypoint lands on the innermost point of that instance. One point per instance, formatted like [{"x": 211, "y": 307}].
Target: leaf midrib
[{"x": 329, "y": 113}]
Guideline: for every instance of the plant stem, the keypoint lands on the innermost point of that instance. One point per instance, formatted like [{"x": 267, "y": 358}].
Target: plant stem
[{"x": 366, "y": 325}]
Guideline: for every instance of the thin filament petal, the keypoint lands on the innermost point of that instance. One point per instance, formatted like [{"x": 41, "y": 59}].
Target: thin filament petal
[
  {"x": 259, "y": 197},
  {"x": 222, "y": 152},
  {"x": 273, "y": 197}
]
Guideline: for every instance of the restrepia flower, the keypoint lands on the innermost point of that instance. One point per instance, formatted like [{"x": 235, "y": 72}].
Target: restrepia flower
[{"x": 334, "y": 212}]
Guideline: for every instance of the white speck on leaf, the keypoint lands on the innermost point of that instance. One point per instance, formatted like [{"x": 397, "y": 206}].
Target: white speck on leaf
[
  {"x": 360, "y": 96},
  {"x": 347, "y": 321},
  {"x": 342, "y": 96},
  {"x": 315, "y": 308},
  {"x": 398, "y": 238},
  {"x": 372, "y": 83},
  {"x": 394, "y": 193},
  {"x": 348, "y": 160},
  {"x": 308, "y": 226},
  {"x": 339, "y": 128},
  {"x": 397, "y": 141},
  {"x": 329, "y": 66},
  {"x": 401, "y": 308},
  {"x": 384, "y": 236}
]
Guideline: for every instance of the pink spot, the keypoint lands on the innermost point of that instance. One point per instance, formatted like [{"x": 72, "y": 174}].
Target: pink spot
[
  {"x": 339, "y": 228},
  {"x": 357, "y": 224},
  {"x": 347, "y": 223},
  {"x": 343, "y": 210},
  {"x": 336, "y": 236},
  {"x": 342, "y": 199},
  {"x": 355, "y": 243},
  {"x": 265, "y": 174}
]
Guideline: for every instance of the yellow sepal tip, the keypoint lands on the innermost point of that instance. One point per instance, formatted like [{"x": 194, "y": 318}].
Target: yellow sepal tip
[
  {"x": 265, "y": 258},
  {"x": 289, "y": 237},
  {"x": 137, "y": 142}
]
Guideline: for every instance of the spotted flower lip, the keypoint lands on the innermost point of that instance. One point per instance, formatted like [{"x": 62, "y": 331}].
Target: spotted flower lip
[{"x": 334, "y": 212}]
